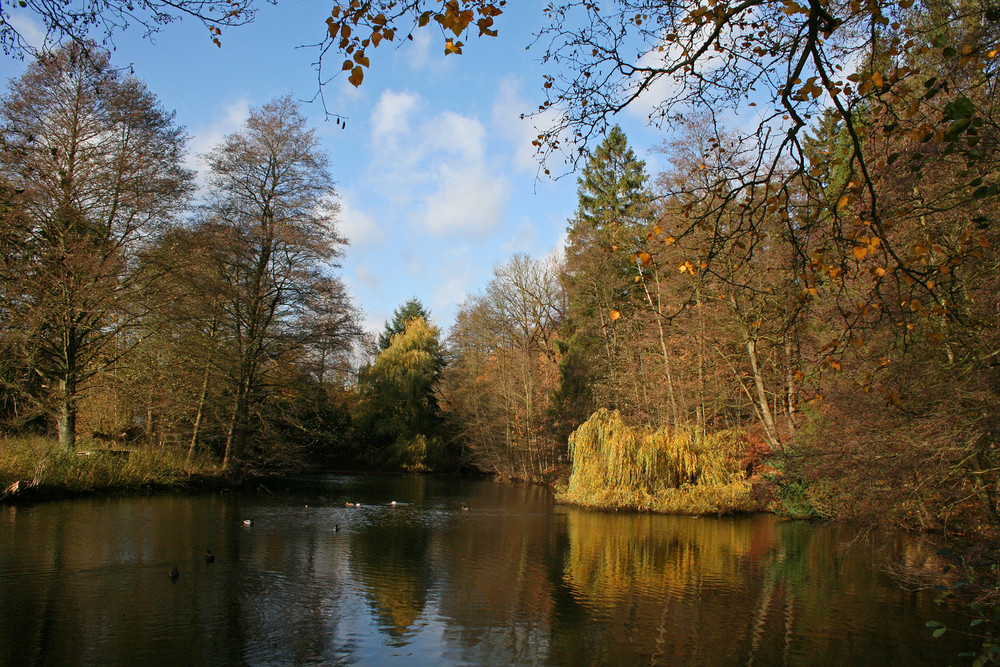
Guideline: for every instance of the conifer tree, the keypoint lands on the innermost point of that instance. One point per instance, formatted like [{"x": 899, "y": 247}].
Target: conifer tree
[
  {"x": 410, "y": 310},
  {"x": 614, "y": 207}
]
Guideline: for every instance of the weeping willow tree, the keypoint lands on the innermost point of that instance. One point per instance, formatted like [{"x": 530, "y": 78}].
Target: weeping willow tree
[
  {"x": 399, "y": 416},
  {"x": 663, "y": 470}
]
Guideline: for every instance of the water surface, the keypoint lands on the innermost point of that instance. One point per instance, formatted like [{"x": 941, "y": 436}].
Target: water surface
[{"x": 512, "y": 580}]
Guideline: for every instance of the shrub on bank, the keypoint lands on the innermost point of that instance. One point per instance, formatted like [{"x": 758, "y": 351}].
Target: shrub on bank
[
  {"x": 43, "y": 464},
  {"x": 616, "y": 466}
]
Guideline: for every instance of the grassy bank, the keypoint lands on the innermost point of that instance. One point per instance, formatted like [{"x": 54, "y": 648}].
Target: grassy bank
[
  {"x": 38, "y": 467},
  {"x": 616, "y": 466}
]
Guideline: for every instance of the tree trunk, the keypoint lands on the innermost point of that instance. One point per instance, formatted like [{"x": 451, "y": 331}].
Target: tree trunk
[
  {"x": 765, "y": 409},
  {"x": 196, "y": 429},
  {"x": 66, "y": 416},
  {"x": 791, "y": 388},
  {"x": 657, "y": 311}
]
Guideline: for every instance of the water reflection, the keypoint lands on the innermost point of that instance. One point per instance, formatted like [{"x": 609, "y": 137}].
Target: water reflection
[{"x": 513, "y": 580}]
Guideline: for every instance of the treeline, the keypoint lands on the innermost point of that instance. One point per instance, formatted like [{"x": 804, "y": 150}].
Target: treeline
[
  {"x": 802, "y": 316},
  {"x": 829, "y": 307},
  {"x": 132, "y": 312}
]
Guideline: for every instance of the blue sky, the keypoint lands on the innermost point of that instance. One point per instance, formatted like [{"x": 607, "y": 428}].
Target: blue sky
[{"x": 436, "y": 173}]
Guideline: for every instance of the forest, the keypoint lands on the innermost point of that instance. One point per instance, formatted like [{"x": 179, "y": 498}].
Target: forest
[{"x": 797, "y": 316}]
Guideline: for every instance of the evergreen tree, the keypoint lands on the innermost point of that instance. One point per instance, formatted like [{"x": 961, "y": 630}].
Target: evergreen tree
[
  {"x": 607, "y": 230},
  {"x": 400, "y": 416},
  {"x": 410, "y": 310}
]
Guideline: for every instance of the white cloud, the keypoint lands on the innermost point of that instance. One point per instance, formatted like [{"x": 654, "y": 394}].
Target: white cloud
[
  {"x": 508, "y": 106},
  {"x": 419, "y": 52},
  {"x": 450, "y": 132},
  {"x": 30, "y": 30},
  {"x": 468, "y": 198},
  {"x": 204, "y": 139},
  {"x": 438, "y": 167},
  {"x": 360, "y": 228},
  {"x": 392, "y": 115}
]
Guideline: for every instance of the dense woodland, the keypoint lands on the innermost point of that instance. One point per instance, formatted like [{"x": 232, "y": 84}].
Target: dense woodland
[{"x": 802, "y": 316}]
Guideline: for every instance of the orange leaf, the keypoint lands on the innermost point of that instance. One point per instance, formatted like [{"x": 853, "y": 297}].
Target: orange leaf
[
  {"x": 859, "y": 252},
  {"x": 615, "y": 315},
  {"x": 357, "y": 76}
]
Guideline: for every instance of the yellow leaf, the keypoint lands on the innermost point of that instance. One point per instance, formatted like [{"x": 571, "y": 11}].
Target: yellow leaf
[
  {"x": 645, "y": 258},
  {"x": 615, "y": 315},
  {"x": 843, "y": 201},
  {"x": 879, "y": 272},
  {"x": 859, "y": 252}
]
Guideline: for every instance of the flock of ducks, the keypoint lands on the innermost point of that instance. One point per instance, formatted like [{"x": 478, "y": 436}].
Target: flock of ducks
[{"x": 175, "y": 574}]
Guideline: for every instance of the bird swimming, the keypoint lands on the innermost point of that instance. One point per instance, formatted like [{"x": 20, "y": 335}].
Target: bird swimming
[
  {"x": 209, "y": 556},
  {"x": 248, "y": 522},
  {"x": 174, "y": 573},
  {"x": 465, "y": 508}
]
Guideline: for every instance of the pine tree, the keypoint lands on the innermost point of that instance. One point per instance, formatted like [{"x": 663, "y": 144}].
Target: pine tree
[
  {"x": 410, "y": 310},
  {"x": 608, "y": 229}
]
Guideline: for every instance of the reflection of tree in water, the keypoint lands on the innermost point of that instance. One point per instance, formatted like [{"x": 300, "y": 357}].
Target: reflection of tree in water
[
  {"x": 654, "y": 586},
  {"x": 497, "y": 590},
  {"x": 390, "y": 554},
  {"x": 748, "y": 591}
]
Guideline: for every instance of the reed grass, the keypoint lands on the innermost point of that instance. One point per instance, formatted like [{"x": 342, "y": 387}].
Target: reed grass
[
  {"x": 616, "y": 466},
  {"x": 51, "y": 469}
]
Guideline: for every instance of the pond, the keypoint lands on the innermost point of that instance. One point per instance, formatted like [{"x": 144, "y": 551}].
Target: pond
[{"x": 457, "y": 572}]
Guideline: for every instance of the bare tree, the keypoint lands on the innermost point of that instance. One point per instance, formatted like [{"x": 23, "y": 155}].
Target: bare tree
[
  {"x": 98, "y": 162},
  {"x": 78, "y": 21},
  {"x": 272, "y": 198}
]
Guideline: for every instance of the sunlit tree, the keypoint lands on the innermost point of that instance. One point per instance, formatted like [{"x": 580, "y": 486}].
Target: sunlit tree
[
  {"x": 98, "y": 162},
  {"x": 271, "y": 203}
]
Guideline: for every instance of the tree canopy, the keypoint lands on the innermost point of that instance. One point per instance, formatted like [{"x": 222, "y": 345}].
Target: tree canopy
[{"x": 97, "y": 164}]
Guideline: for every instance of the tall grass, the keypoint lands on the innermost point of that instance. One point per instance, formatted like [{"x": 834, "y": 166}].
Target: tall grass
[
  {"x": 53, "y": 469},
  {"x": 616, "y": 466}
]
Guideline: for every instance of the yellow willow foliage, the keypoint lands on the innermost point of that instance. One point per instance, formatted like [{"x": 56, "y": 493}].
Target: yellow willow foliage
[
  {"x": 411, "y": 356},
  {"x": 663, "y": 470}
]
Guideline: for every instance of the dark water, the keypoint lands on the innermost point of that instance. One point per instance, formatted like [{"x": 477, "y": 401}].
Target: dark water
[{"x": 513, "y": 580}]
